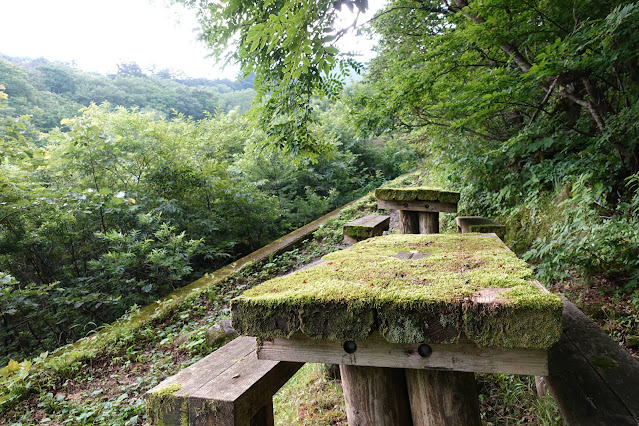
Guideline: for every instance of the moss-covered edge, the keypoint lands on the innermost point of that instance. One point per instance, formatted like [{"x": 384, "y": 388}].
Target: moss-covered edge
[
  {"x": 360, "y": 232},
  {"x": 161, "y": 401},
  {"x": 499, "y": 230}
]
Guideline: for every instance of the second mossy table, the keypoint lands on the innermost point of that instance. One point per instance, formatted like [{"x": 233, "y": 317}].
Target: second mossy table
[
  {"x": 418, "y": 207},
  {"x": 449, "y": 302}
]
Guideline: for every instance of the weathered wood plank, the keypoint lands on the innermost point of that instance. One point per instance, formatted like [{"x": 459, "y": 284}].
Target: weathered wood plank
[
  {"x": 408, "y": 222},
  {"x": 422, "y": 193},
  {"x": 228, "y": 387},
  {"x": 443, "y": 398},
  {"x": 418, "y": 206},
  {"x": 466, "y": 224},
  {"x": 377, "y": 352},
  {"x": 593, "y": 380},
  {"x": 429, "y": 222}
]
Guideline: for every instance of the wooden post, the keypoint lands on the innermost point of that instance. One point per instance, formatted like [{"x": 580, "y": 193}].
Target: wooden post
[
  {"x": 375, "y": 396},
  {"x": 429, "y": 222},
  {"x": 440, "y": 398},
  {"x": 264, "y": 417},
  {"x": 408, "y": 222}
]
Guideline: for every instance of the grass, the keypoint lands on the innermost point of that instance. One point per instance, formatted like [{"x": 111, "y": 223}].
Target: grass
[{"x": 310, "y": 398}]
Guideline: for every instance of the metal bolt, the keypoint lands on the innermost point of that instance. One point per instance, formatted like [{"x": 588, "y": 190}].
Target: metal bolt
[
  {"x": 424, "y": 350},
  {"x": 350, "y": 347}
]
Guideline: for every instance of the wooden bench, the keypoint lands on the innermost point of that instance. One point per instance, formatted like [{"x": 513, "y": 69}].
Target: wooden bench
[
  {"x": 228, "y": 387},
  {"x": 593, "y": 380},
  {"x": 467, "y": 224},
  {"x": 365, "y": 227}
]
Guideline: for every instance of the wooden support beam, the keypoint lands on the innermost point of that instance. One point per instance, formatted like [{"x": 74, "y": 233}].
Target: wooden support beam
[
  {"x": 428, "y": 222},
  {"x": 417, "y": 206},
  {"x": 375, "y": 396},
  {"x": 408, "y": 222},
  {"x": 378, "y": 352},
  {"x": 439, "y": 398}
]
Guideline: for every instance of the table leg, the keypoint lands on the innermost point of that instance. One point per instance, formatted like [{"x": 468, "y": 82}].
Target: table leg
[
  {"x": 439, "y": 398},
  {"x": 375, "y": 396},
  {"x": 429, "y": 222},
  {"x": 408, "y": 222}
]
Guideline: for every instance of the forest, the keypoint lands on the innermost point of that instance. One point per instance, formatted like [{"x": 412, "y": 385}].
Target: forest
[
  {"x": 118, "y": 205},
  {"x": 116, "y": 190}
]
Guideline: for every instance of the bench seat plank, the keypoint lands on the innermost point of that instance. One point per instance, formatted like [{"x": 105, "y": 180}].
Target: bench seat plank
[
  {"x": 365, "y": 227},
  {"x": 593, "y": 380},
  {"x": 227, "y": 387}
]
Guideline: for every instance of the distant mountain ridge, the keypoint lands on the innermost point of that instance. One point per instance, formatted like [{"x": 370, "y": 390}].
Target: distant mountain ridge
[{"x": 50, "y": 91}]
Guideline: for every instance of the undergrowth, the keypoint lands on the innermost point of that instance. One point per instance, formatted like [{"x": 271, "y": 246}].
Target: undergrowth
[{"x": 102, "y": 380}]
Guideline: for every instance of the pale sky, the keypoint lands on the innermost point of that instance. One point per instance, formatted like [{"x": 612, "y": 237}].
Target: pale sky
[{"x": 99, "y": 34}]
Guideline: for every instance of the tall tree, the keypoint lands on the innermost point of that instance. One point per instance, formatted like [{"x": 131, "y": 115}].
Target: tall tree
[
  {"x": 290, "y": 45},
  {"x": 492, "y": 68}
]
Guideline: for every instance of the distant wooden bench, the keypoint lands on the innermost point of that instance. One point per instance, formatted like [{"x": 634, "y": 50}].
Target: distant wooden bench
[
  {"x": 467, "y": 224},
  {"x": 228, "y": 387},
  {"x": 593, "y": 380},
  {"x": 365, "y": 227}
]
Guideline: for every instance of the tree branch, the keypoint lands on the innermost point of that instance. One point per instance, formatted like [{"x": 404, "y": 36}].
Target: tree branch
[{"x": 544, "y": 100}]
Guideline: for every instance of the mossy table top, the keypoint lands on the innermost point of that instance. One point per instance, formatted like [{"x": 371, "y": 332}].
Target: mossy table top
[
  {"x": 421, "y": 198},
  {"x": 432, "y": 288},
  {"x": 421, "y": 193}
]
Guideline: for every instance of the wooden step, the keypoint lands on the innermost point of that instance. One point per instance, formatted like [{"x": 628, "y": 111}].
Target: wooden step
[{"x": 228, "y": 387}]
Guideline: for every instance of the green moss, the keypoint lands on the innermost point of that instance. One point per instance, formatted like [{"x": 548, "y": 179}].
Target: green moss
[
  {"x": 162, "y": 401},
  {"x": 604, "y": 363},
  {"x": 422, "y": 193},
  {"x": 429, "y": 298},
  {"x": 184, "y": 413},
  {"x": 359, "y": 231}
]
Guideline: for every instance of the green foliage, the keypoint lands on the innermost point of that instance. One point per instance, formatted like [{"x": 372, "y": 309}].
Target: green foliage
[
  {"x": 122, "y": 207},
  {"x": 518, "y": 102},
  {"x": 512, "y": 400},
  {"x": 595, "y": 235},
  {"x": 290, "y": 46},
  {"x": 15, "y": 380}
]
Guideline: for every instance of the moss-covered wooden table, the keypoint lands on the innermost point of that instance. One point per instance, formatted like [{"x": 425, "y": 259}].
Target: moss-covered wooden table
[
  {"x": 447, "y": 302},
  {"x": 418, "y": 207}
]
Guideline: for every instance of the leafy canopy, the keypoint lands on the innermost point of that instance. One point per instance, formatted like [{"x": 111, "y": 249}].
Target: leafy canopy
[{"x": 291, "y": 46}]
